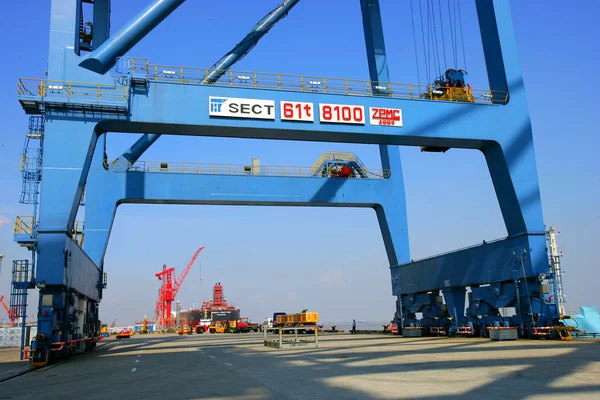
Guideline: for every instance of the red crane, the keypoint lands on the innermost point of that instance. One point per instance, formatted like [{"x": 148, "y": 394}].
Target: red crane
[
  {"x": 10, "y": 316},
  {"x": 168, "y": 291}
]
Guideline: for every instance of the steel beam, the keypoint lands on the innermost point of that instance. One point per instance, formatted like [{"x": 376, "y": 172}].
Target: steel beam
[
  {"x": 108, "y": 188},
  {"x": 104, "y": 57},
  {"x": 394, "y": 225},
  {"x": 497, "y": 261}
]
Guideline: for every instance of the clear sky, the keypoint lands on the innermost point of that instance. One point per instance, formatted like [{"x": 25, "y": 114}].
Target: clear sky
[{"x": 328, "y": 260}]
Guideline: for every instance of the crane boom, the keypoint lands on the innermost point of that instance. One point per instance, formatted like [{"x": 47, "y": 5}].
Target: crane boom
[{"x": 179, "y": 281}]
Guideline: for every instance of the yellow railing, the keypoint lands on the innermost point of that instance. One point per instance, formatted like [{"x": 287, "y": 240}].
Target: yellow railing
[
  {"x": 24, "y": 225},
  {"x": 222, "y": 169},
  {"x": 73, "y": 92},
  {"x": 316, "y": 84},
  {"x": 78, "y": 233}
]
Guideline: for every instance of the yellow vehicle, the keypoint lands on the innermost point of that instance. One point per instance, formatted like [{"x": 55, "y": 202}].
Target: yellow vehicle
[
  {"x": 125, "y": 333},
  {"x": 185, "y": 330},
  {"x": 217, "y": 327}
]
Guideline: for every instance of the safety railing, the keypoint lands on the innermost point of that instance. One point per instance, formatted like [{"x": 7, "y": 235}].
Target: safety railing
[
  {"x": 72, "y": 92},
  {"x": 78, "y": 233},
  {"x": 24, "y": 225},
  {"x": 316, "y": 84},
  {"x": 222, "y": 169}
]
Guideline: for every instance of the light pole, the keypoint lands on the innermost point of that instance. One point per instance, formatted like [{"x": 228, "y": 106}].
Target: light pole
[{"x": 1, "y": 258}]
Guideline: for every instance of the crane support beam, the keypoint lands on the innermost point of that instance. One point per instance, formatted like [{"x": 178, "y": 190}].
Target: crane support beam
[
  {"x": 111, "y": 188},
  {"x": 104, "y": 57},
  {"x": 374, "y": 40},
  {"x": 390, "y": 154},
  {"x": 462, "y": 268},
  {"x": 219, "y": 68}
]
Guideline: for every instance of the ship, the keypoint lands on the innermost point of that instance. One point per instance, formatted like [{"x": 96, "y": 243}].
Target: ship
[{"x": 217, "y": 309}]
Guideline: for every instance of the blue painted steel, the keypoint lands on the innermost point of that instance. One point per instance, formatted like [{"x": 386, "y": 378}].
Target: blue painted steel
[
  {"x": 104, "y": 57},
  {"x": 501, "y": 132},
  {"x": 587, "y": 322},
  {"x": 220, "y": 67},
  {"x": 390, "y": 155},
  {"x": 463, "y": 268},
  {"x": 100, "y": 23}
]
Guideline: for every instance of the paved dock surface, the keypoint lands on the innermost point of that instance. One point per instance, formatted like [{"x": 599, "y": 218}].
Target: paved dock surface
[{"x": 238, "y": 366}]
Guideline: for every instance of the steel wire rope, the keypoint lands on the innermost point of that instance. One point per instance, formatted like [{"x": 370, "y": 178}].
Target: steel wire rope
[
  {"x": 437, "y": 47},
  {"x": 462, "y": 37},
  {"x": 412, "y": 17},
  {"x": 452, "y": 35},
  {"x": 442, "y": 28},
  {"x": 424, "y": 47},
  {"x": 431, "y": 63},
  {"x": 430, "y": 41}
]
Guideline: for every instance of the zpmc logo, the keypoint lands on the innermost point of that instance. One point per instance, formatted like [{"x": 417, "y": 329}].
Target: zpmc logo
[{"x": 216, "y": 104}]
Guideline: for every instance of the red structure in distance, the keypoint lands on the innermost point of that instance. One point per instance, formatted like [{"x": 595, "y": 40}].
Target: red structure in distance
[{"x": 168, "y": 291}]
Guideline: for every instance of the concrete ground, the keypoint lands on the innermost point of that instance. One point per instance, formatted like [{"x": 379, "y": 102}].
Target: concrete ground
[{"x": 238, "y": 366}]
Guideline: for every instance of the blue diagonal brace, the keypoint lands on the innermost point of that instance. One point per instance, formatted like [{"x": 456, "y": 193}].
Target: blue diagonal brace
[
  {"x": 133, "y": 153},
  {"x": 104, "y": 58}
]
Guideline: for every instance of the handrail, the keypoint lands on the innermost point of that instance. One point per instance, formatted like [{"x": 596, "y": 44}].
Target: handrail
[
  {"x": 223, "y": 169},
  {"x": 353, "y": 87},
  {"x": 72, "y": 91},
  {"x": 24, "y": 225}
]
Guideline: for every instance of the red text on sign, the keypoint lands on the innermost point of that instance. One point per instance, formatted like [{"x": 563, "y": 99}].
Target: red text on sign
[
  {"x": 386, "y": 116},
  {"x": 297, "y": 111},
  {"x": 341, "y": 113}
]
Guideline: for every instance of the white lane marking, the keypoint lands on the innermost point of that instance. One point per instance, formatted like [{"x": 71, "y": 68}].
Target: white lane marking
[
  {"x": 212, "y": 357},
  {"x": 137, "y": 361},
  {"x": 133, "y": 369},
  {"x": 139, "y": 355},
  {"x": 229, "y": 365}
]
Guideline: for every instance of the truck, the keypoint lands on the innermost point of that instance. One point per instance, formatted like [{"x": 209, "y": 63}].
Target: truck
[{"x": 244, "y": 326}]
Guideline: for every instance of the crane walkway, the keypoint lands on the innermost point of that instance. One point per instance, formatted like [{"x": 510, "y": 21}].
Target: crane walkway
[
  {"x": 329, "y": 165},
  {"x": 34, "y": 93},
  {"x": 140, "y": 68}
]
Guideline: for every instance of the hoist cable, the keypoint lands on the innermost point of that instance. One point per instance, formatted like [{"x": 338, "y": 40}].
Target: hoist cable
[
  {"x": 437, "y": 47},
  {"x": 455, "y": 39},
  {"x": 451, "y": 35},
  {"x": 443, "y": 40},
  {"x": 424, "y": 47},
  {"x": 462, "y": 37},
  {"x": 412, "y": 17},
  {"x": 431, "y": 62}
]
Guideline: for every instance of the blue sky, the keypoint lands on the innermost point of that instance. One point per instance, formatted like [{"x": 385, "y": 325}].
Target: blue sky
[{"x": 275, "y": 259}]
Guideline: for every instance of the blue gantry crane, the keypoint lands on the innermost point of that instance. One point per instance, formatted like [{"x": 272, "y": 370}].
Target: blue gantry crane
[{"x": 126, "y": 94}]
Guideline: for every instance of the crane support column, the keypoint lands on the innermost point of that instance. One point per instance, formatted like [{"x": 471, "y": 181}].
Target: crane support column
[
  {"x": 392, "y": 222},
  {"x": 220, "y": 67}
]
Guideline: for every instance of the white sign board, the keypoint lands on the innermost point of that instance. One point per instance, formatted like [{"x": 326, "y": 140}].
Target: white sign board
[
  {"x": 385, "y": 116},
  {"x": 241, "y": 108},
  {"x": 341, "y": 113}
]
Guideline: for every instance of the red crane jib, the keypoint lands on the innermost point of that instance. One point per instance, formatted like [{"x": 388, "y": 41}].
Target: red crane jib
[{"x": 168, "y": 290}]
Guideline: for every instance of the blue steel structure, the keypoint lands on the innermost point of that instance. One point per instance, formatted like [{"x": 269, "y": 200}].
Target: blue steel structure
[{"x": 138, "y": 97}]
